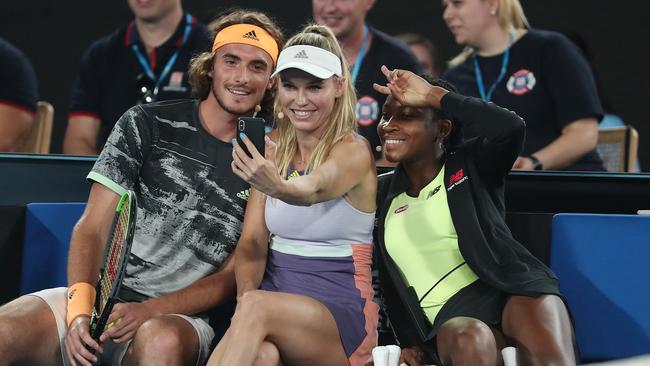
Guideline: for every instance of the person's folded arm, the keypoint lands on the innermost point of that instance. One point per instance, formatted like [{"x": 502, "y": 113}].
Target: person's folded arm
[
  {"x": 15, "y": 124},
  {"x": 81, "y": 135},
  {"x": 577, "y": 139}
]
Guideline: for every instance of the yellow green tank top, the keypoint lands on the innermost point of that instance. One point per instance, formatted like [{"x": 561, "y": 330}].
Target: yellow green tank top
[{"x": 420, "y": 237}]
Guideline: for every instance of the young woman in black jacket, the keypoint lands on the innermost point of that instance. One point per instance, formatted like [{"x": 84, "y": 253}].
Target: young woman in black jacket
[{"x": 457, "y": 286}]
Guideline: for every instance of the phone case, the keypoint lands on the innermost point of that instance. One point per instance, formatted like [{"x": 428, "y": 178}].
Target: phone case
[{"x": 253, "y": 128}]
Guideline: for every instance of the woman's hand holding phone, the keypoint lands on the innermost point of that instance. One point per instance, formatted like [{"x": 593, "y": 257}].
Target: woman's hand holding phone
[{"x": 260, "y": 171}]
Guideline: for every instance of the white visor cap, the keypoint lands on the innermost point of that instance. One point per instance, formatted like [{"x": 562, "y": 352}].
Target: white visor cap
[{"x": 313, "y": 60}]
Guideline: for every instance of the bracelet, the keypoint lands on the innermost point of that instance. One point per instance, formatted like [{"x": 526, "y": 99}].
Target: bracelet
[
  {"x": 537, "y": 165},
  {"x": 81, "y": 297}
]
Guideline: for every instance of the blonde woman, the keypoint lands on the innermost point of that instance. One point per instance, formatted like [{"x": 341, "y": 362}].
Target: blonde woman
[
  {"x": 538, "y": 74},
  {"x": 304, "y": 296}
]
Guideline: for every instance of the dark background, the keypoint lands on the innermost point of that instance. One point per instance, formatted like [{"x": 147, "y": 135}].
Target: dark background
[{"x": 54, "y": 34}]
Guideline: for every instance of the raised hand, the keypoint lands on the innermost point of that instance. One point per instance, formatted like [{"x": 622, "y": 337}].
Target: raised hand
[
  {"x": 260, "y": 171},
  {"x": 410, "y": 89}
]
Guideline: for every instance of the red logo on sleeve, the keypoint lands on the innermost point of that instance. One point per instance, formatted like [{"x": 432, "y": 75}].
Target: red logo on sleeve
[{"x": 456, "y": 177}]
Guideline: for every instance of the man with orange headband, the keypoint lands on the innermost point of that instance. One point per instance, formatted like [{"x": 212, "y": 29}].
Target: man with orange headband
[{"x": 176, "y": 156}]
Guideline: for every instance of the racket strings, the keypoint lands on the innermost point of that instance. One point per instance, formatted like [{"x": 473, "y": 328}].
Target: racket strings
[{"x": 111, "y": 267}]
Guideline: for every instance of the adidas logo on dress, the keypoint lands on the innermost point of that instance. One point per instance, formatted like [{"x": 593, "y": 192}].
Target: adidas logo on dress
[
  {"x": 301, "y": 54},
  {"x": 251, "y": 35}
]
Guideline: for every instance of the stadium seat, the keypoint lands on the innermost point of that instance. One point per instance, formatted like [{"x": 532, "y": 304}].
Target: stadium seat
[
  {"x": 617, "y": 147},
  {"x": 48, "y": 227},
  {"x": 602, "y": 263}
]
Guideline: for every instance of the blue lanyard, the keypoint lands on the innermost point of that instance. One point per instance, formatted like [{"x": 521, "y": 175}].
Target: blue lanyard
[
  {"x": 479, "y": 78},
  {"x": 172, "y": 60},
  {"x": 360, "y": 55}
]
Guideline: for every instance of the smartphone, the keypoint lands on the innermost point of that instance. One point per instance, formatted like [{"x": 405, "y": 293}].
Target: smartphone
[{"x": 253, "y": 128}]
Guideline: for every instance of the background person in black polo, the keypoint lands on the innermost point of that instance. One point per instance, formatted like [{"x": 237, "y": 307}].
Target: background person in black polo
[
  {"x": 366, "y": 49},
  {"x": 538, "y": 74},
  {"x": 18, "y": 96},
  {"x": 144, "y": 61}
]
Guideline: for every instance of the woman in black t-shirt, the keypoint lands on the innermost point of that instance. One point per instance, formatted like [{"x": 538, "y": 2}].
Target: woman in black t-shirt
[{"x": 539, "y": 74}]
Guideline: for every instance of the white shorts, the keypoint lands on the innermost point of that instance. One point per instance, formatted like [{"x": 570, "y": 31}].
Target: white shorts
[{"x": 113, "y": 353}]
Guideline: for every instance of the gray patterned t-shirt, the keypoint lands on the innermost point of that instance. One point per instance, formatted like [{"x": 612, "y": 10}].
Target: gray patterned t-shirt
[{"x": 190, "y": 203}]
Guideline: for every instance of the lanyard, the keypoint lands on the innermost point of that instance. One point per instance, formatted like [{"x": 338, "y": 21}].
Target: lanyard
[
  {"x": 145, "y": 63},
  {"x": 504, "y": 65},
  {"x": 360, "y": 55}
]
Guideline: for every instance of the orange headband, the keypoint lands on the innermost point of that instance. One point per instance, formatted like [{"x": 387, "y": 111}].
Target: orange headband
[{"x": 247, "y": 34}]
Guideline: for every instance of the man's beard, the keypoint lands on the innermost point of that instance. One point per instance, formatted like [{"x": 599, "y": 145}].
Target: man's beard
[{"x": 223, "y": 105}]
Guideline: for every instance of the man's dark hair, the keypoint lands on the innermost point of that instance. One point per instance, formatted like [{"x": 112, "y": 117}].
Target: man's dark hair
[{"x": 201, "y": 65}]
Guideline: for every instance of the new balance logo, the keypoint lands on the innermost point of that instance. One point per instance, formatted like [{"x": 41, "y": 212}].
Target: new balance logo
[
  {"x": 244, "y": 194},
  {"x": 301, "y": 54},
  {"x": 251, "y": 35},
  {"x": 456, "y": 179}
]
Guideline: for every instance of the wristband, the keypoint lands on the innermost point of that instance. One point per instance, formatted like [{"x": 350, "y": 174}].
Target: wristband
[
  {"x": 81, "y": 297},
  {"x": 537, "y": 165}
]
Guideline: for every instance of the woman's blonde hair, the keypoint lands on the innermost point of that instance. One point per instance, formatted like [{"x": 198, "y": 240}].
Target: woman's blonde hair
[
  {"x": 510, "y": 15},
  {"x": 201, "y": 65},
  {"x": 343, "y": 118}
]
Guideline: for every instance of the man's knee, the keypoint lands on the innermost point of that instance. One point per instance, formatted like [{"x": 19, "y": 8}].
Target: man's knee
[
  {"x": 28, "y": 330},
  {"x": 8, "y": 345},
  {"x": 163, "y": 339}
]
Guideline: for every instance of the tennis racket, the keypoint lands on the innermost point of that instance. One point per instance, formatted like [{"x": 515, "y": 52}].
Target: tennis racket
[{"x": 116, "y": 255}]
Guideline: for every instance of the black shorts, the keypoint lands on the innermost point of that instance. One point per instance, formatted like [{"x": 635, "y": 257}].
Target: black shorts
[{"x": 479, "y": 301}]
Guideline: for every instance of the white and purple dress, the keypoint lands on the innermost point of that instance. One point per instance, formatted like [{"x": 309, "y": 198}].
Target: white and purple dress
[{"x": 324, "y": 251}]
